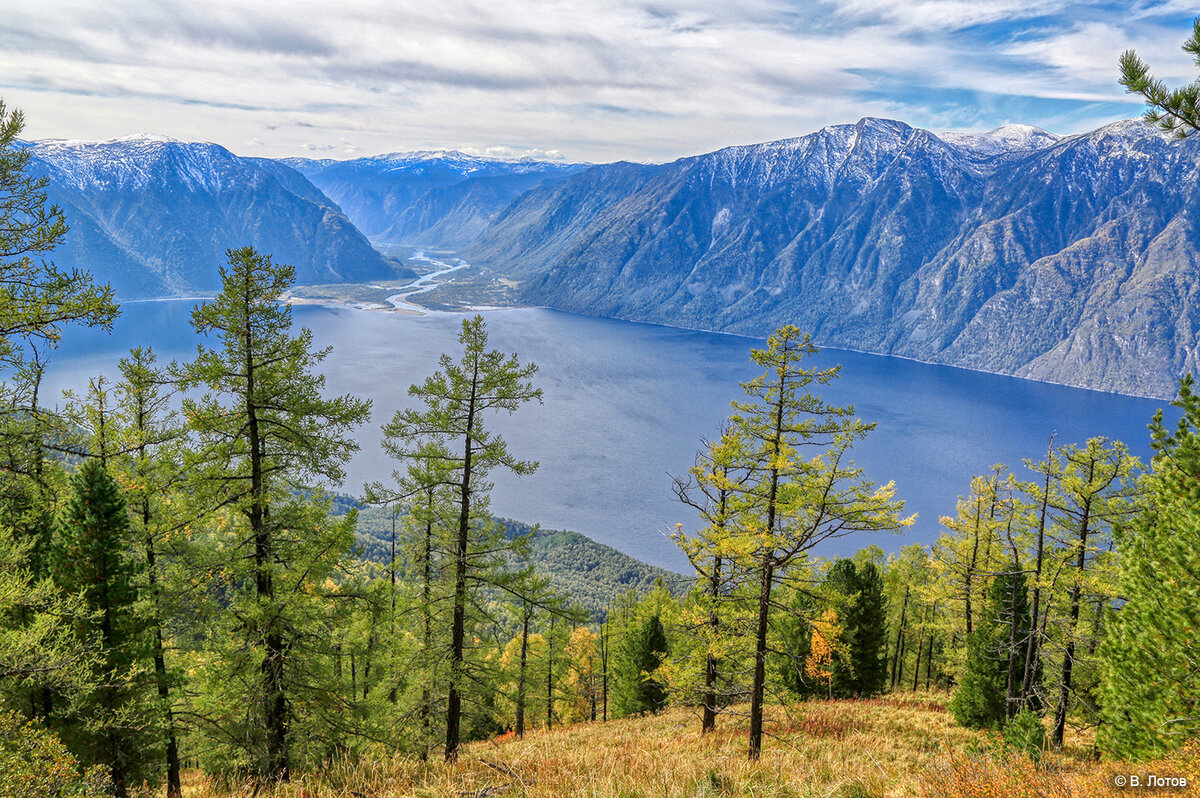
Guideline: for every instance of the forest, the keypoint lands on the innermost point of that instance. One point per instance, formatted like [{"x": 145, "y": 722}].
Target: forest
[{"x": 183, "y": 601}]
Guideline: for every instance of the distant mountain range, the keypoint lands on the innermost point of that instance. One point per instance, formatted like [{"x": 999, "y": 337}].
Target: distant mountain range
[
  {"x": 1072, "y": 259},
  {"x": 428, "y": 199}
]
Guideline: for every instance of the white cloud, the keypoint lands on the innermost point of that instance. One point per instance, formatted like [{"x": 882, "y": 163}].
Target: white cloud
[{"x": 591, "y": 79}]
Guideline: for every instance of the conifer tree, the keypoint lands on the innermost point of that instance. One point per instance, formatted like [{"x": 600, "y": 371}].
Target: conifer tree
[
  {"x": 131, "y": 430},
  {"x": 1097, "y": 489},
  {"x": 642, "y": 652},
  {"x": 791, "y": 501},
  {"x": 266, "y": 433},
  {"x": 36, "y": 298},
  {"x": 862, "y": 613},
  {"x": 712, "y": 488},
  {"x": 1151, "y": 685},
  {"x": 995, "y": 655},
  {"x": 1174, "y": 111},
  {"x": 110, "y": 724},
  {"x": 449, "y": 431}
]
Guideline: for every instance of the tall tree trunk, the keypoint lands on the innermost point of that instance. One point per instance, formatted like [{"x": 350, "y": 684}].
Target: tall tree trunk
[
  {"x": 1064, "y": 692},
  {"x": 929, "y": 661},
  {"x": 274, "y": 697},
  {"x": 1033, "y": 646},
  {"x": 604, "y": 632},
  {"x": 174, "y": 790},
  {"x": 917, "y": 669},
  {"x": 427, "y": 630},
  {"x": 709, "y": 720},
  {"x": 392, "y": 621},
  {"x": 458, "y": 626},
  {"x": 521, "y": 673},
  {"x": 767, "y": 575},
  {"x": 1011, "y": 689},
  {"x": 550, "y": 677},
  {"x": 899, "y": 640}
]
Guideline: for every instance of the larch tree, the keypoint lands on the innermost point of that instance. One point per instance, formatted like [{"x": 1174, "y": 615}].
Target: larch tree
[
  {"x": 1097, "y": 491},
  {"x": 792, "y": 501},
  {"x": 264, "y": 433},
  {"x": 711, "y": 488},
  {"x": 456, "y": 400}
]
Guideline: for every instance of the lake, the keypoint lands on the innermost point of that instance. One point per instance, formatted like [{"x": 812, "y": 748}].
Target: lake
[{"x": 626, "y": 405}]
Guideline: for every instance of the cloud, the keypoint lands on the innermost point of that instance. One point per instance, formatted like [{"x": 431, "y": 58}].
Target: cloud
[{"x": 591, "y": 79}]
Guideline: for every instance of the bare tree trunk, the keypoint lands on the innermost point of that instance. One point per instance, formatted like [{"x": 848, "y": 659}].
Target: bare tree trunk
[
  {"x": 520, "y": 730},
  {"x": 1033, "y": 646},
  {"x": 899, "y": 640}
]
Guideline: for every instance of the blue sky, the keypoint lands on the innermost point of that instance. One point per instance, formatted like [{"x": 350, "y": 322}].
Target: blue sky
[{"x": 594, "y": 80}]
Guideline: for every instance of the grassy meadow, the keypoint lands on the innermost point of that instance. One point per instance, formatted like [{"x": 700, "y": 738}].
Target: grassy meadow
[{"x": 905, "y": 745}]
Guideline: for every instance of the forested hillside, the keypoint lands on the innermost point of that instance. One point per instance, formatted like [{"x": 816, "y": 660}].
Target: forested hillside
[{"x": 575, "y": 565}]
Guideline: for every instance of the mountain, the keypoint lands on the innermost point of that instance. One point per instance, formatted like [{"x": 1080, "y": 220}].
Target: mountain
[
  {"x": 1070, "y": 259},
  {"x": 441, "y": 199},
  {"x": 154, "y": 216}
]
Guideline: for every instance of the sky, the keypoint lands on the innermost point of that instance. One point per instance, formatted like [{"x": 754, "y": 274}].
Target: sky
[{"x": 578, "y": 80}]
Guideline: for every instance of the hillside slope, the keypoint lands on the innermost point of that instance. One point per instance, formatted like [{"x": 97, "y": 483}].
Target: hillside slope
[{"x": 591, "y": 573}]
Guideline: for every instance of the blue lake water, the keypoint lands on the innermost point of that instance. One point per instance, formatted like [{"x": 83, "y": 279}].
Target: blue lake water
[{"x": 626, "y": 405}]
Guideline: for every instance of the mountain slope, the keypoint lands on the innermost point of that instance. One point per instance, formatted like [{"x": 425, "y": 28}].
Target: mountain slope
[
  {"x": 438, "y": 199},
  {"x": 154, "y": 216},
  {"x": 592, "y": 573},
  {"x": 1067, "y": 259}
]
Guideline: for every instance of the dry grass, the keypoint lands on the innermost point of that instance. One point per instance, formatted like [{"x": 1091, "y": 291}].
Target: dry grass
[{"x": 895, "y": 746}]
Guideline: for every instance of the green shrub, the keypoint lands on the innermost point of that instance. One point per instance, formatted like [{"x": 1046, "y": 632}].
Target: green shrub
[
  {"x": 1025, "y": 733},
  {"x": 34, "y": 764}
]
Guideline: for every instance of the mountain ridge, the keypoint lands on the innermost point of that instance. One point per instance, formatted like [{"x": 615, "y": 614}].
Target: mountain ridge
[
  {"x": 1068, "y": 259},
  {"x": 125, "y": 200},
  {"x": 884, "y": 238}
]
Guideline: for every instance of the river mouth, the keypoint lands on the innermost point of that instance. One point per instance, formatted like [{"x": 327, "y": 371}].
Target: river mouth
[{"x": 447, "y": 284}]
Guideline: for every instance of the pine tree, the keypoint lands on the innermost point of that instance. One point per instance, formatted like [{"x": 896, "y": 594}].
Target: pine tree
[
  {"x": 1175, "y": 111},
  {"x": 995, "y": 655},
  {"x": 642, "y": 652},
  {"x": 1151, "y": 686},
  {"x": 112, "y": 723},
  {"x": 265, "y": 433},
  {"x": 449, "y": 431},
  {"x": 862, "y": 614}
]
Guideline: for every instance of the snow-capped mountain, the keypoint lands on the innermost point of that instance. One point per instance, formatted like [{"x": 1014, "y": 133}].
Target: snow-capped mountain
[
  {"x": 154, "y": 216},
  {"x": 1072, "y": 259},
  {"x": 438, "y": 198}
]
